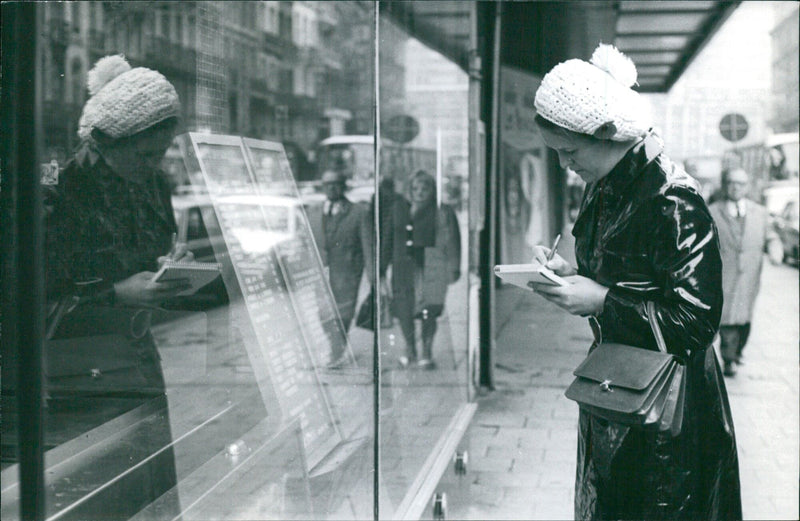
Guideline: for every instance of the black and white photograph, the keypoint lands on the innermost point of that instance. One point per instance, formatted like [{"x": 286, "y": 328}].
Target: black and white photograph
[{"x": 400, "y": 260}]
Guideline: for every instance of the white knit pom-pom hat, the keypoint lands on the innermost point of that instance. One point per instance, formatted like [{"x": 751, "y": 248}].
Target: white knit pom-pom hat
[
  {"x": 125, "y": 101},
  {"x": 583, "y": 96}
]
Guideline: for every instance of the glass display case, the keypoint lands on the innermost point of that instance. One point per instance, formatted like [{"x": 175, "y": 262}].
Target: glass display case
[{"x": 325, "y": 373}]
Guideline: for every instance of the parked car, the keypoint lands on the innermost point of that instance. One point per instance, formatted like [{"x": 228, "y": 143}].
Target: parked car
[
  {"x": 786, "y": 226},
  {"x": 777, "y": 194},
  {"x": 198, "y": 224}
]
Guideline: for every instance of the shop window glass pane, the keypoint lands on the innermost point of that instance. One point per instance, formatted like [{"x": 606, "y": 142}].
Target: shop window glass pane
[
  {"x": 423, "y": 100},
  {"x": 250, "y": 396}
]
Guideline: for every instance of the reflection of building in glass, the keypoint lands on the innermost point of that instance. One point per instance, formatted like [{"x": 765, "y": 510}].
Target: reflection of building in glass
[
  {"x": 291, "y": 71},
  {"x": 419, "y": 82},
  {"x": 428, "y": 73},
  {"x": 784, "y": 117},
  {"x": 392, "y": 68},
  {"x": 730, "y": 75}
]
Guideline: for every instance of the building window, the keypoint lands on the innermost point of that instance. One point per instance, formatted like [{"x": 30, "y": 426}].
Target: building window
[
  {"x": 75, "y": 16},
  {"x": 164, "y": 20},
  {"x": 179, "y": 28},
  {"x": 76, "y": 80}
]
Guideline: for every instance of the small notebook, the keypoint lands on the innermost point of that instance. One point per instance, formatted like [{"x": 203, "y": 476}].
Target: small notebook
[
  {"x": 198, "y": 273},
  {"x": 521, "y": 274}
]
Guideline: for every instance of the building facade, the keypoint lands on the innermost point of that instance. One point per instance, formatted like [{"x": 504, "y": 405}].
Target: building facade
[
  {"x": 276, "y": 57},
  {"x": 784, "y": 115}
]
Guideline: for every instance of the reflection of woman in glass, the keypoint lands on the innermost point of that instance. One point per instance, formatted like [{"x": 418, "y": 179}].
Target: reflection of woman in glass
[
  {"x": 518, "y": 208},
  {"x": 111, "y": 219},
  {"x": 517, "y": 216},
  {"x": 426, "y": 258}
]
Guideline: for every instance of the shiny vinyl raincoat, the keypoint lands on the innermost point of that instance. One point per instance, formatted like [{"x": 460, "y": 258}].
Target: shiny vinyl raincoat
[{"x": 645, "y": 232}]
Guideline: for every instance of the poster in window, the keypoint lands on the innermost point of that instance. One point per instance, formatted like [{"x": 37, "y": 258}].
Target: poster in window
[{"x": 524, "y": 207}]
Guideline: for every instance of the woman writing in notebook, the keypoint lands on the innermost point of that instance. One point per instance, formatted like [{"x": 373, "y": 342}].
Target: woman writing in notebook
[
  {"x": 109, "y": 220},
  {"x": 111, "y": 213},
  {"x": 643, "y": 234}
]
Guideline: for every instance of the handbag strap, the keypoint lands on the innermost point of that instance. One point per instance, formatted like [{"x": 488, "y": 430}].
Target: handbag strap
[{"x": 651, "y": 317}]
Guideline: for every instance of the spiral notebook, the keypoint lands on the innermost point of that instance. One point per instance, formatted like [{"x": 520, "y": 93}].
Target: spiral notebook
[
  {"x": 197, "y": 273},
  {"x": 521, "y": 274}
]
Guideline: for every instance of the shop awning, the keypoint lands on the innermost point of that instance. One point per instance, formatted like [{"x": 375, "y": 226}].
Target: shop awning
[{"x": 662, "y": 37}]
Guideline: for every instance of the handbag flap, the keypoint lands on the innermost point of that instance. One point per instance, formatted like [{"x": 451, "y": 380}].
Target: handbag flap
[
  {"x": 623, "y": 366},
  {"x": 612, "y": 401}
]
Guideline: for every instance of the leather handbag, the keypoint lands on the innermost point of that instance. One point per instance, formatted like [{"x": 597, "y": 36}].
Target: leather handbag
[
  {"x": 365, "y": 317},
  {"x": 631, "y": 385},
  {"x": 99, "y": 350}
]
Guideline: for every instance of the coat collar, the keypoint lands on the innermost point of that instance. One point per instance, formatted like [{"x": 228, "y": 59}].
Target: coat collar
[
  {"x": 620, "y": 178},
  {"x": 94, "y": 171},
  {"x": 343, "y": 206},
  {"x": 632, "y": 164}
]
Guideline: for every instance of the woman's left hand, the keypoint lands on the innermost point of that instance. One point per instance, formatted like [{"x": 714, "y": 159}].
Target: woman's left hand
[{"x": 582, "y": 296}]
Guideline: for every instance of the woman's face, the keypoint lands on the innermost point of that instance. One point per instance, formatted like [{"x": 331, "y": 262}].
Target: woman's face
[
  {"x": 143, "y": 152},
  {"x": 588, "y": 157},
  {"x": 421, "y": 191},
  {"x": 151, "y": 149}
]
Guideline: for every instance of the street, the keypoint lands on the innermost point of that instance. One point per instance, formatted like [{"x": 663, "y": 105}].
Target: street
[
  {"x": 764, "y": 401},
  {"x": 523, "y": 437}
]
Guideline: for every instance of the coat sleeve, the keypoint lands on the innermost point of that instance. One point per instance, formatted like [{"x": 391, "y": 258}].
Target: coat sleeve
[
  {"x": 453, "y": 246},
  {"x": 684, "y": 254},
  {"x": 68, "y": 254}
]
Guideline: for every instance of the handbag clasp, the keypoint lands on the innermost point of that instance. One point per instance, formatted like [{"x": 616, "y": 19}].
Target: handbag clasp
[{"x": 605, "y": 385}]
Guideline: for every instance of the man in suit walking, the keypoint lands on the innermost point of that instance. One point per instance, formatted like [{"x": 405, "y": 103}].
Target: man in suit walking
[
  {"x": 743, "y": 234},
  {"x": 343, "y": 225}
]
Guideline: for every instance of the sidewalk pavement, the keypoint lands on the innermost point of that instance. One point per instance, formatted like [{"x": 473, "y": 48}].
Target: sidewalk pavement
[{"x": 522, "y": 440}]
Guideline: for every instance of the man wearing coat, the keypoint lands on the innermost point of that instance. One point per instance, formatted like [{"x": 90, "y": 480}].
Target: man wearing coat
[
  {"x": 743, "y": 234},
  {"x": 344, "y": 233}
]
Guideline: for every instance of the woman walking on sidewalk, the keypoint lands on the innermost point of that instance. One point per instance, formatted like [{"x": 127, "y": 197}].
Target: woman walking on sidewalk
[
  {"x": 426, "y": 259},
  {"x": 643, "y": 234}
]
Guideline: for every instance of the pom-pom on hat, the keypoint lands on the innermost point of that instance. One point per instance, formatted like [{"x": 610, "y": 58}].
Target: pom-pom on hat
[
  {"x": 585, "y": 96},
  {"x": 125, "y": 101}
]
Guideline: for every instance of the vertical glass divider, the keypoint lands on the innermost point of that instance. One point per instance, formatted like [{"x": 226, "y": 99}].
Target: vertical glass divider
[{"x": 376, "y": 352}]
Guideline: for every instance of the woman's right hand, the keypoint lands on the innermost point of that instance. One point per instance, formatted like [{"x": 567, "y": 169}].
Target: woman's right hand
[
  {"x": 140, "y": 290},
  {"x": 557, "y": 264}
]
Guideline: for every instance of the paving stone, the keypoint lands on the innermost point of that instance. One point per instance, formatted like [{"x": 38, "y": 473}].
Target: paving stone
[
  {"x": 490, "y": 464},
  {"x": 517, "y": 485},
  {"x": 785, "y": 505},
  {"x": 502, "y": 451},
  {"x": 552, "y": 509},
  {"x": 560, "y": 456},
  {"x": 557, "y": 478},
  {"x": 503, "y": 419}
]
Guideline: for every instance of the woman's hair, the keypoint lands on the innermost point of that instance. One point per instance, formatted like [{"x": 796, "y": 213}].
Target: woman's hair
[
  {"x": 425, "y": 177},
  {"x": 548, "y": 125}
]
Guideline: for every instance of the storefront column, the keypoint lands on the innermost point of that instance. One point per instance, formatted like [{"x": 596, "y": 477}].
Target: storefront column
[
  {"x": 22, "y": 203},
  {"x": 488, "y": 243}
]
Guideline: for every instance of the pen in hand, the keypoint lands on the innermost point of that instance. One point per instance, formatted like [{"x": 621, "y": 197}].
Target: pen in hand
[
  {"x": 172, "y": 254},
  {"x": 553, "y": 249}
]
